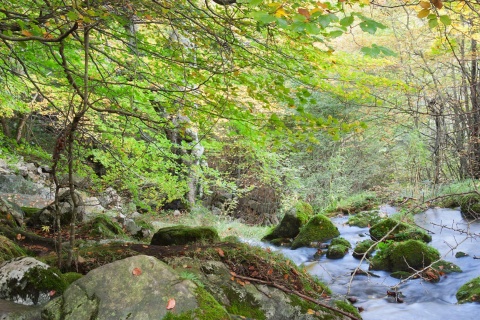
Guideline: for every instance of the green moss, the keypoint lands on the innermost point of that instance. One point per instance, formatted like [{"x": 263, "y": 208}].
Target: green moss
[
  {"x": 244, "y": 306},
  {"x": 336, "y": 251},
  {"x": 29, "y": 211},
  {"x": 318, "y": 229},
  {"x": 469, "y": 292},
  {"x": 304, "y": 211},
  {"x": 470, "y": 205},
  {"x": 401, "y": 231},
  {"x": 342, "y": 241},
  {"x": 180, "y": 235},
  {"x": 71, "y": 277},
  {"x": 103, "y": 226},
  {"x": 291, "y": 222},
  {"x": 364, "y": 219},
  {"x": 362, "y": 248},
  {"x": 446, "y": 267},
  {"x": 9, "y": 250},
  {"x": 347, "y": 307},
  {"x": 404, "y": 256}
]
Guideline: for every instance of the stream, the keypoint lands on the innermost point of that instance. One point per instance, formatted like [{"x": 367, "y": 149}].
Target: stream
[{"x": 422, "y": 300}]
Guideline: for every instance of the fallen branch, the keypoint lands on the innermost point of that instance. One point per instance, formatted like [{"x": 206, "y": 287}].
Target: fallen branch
[{"x": 301, "y": 295}]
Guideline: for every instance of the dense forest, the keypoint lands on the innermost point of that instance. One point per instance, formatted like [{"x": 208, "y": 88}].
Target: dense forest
[
  {"x": 244, "y": 108},
  {"x": 280, "y": 101}
]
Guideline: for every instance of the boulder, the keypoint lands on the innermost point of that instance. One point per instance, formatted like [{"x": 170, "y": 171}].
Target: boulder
[
  {"x": 46, "y": 216},
  {"x": 406, "y": 256},
  {"x": 9, "y": 250},
  {"x": 110, "y": 199},
  {"x": 341, "y": 241},
  {"x": 180, "y": 235},
  {"x": 469, "y": 292},
  {"x": 291, "y": 223},
  {"x": 362, "y": 249},
  {"x": 399, "y": 231},
  {"x": 28, "y": 281},
  {"x": 337, "y": 251},
  {"x": 245, "y": 300},
  {"x": 318, "y": 229},
  {"x": 140, "y": 287}
]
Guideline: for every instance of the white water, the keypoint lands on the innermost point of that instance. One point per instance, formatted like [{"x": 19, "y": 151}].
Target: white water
[{"x": 423, "y": 300}]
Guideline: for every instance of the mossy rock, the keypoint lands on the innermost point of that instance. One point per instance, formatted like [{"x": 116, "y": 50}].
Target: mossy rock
[
  {"x": 401, "y": 231},
  {"x": 362, "y": 249},
  {"x": 446, "y": 267},
  {"x": 71, "y": 277},
  {"x": 470, "y": 205},
  {"x": 30, "y": 211},
  {"x": 104, "y": 227},
  {"x": 342, "y": 241},
  {"x": 469, "y": 292},
  {"x": 406, "y": 256},
  {"x": 347, "y": 307},
  {"x": 364, "y": 219},
  {"x": 318, "y": 229},
  {"x": 9, "y": 249},
  {"x": 180, "y": 235},
  {"x": 291, "y": 223},
  {"x": 461, "y": 254},
  {"x": 337, "y": 251}
]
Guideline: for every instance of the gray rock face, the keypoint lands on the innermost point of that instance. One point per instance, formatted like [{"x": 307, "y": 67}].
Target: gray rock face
[
  {"x": 134, "y": 288},
  {"x": 15, "y": 285}
]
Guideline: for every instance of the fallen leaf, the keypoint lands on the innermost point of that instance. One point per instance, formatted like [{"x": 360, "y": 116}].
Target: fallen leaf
[
  {"x": 220, "y": 252},
  {"x": 52, "y": 293},
  {"x": 233, "y": 273},
  {"x": 310, "y": 311},
  {"x": 270, "y": 271},
  {"x": 251, "y": 268},
  {"x": 136, "y": 271},
  {"x": 171, "y": 304},
  {"x": 145, "y": 246},
  {"x": 19, "y": 236}
]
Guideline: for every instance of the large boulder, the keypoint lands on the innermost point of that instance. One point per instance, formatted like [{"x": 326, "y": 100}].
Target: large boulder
[
  {"x": 397, "y": 231},
  {"x": 406, "y": 256},
  {"x": 244, "y": 300},
  {"x": 46, "y": 216},
  {"x": 364, "y": 248},
  {"x": 140, "y": 287},
  {"x": 29, "y": 281},
  {"x": 318, "y": 229},
  {"x": 469, "y": 292},
  {"x": 291, "y": 223},
  {"x": 180, "y": 235}
]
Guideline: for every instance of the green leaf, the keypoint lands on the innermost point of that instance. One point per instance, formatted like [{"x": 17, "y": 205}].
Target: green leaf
[
  {"x": 335, "y": 34},
  {"x": 311, "y": 28},
  {"x": 263, "y": 17},
  {"x": 254, "y": 2},
  {"x": 432, "y": 23},
  {"x": 324, "y": 20},
  {"x": 347, "y": 21},
  {"x": 371, "y": 26},
  {"x": 446, "y": 20}
]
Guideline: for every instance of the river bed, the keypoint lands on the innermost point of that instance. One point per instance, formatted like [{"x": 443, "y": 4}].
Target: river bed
[{"x": 422, "y": 300}]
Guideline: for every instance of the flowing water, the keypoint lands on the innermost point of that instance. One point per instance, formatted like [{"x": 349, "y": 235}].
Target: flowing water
[{"x": 422, "y": 300}]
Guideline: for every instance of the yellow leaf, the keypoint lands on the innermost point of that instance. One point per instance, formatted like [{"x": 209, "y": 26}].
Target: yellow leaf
[
  {"x": 310, "y": 311},
  {"x": 280, "y": 13},
  {"x": 365, "y": 2},
  {"x": 425, "y": 4},
  {"x": 423, "y": 13},
  {"x": 274, "y": 4},
  {"x": 27, "y": 33}
]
